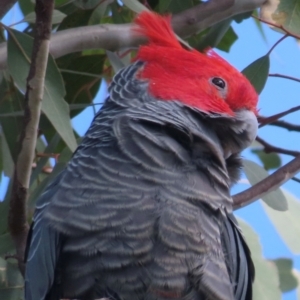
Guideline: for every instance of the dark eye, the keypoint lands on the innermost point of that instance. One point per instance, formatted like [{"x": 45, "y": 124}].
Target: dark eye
[{"x": 219, "y": 82}]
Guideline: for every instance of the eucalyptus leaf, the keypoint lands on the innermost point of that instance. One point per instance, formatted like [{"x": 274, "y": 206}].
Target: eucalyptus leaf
[
  {"x": 214, "y": 35},
  {"x": 6, "y": 244},
  {"x": 287, "y": 15},
  {"x": 287, "y": 279},
  {"x": 287, "y": 223},
  {"x": 8, "y": 163},
  {"x": 57, "y": 17},
  {"x": 175, "y": 6},
  {"x": 11, "y": 280},
  {"x": 53, "y": 104},
  {"x": 266, "y": 282},
  {"x": 255, "y": 173},
  {"x": 257, "y": 72},
  {"x": 87, "y": 4},
  {"x": 135, "y": 5},
  {"x": 115, "y": 61},
  {"x": 269, "y": 160}
]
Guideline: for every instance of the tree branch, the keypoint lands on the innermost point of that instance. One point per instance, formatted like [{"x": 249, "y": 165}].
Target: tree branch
[
  {"x": 17, "y": 217},
  {"x": 284, "y": 76},
  {"x": 285, "y": 125},
  {"x": 113, "y": 37},
  {"x": 5, "y": 6},
  {"x": 268, "y": 120},
  {"x": 270, "y": 148},
  {"x": 267, "y": 185}
]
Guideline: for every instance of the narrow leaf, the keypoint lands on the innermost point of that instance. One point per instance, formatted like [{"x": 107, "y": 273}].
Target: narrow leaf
[
  {"x": 53, "y": 104},
  {"x": 135, "y": 5},
  {"x": 287, "y": 223},
  {"x": 11, "y": 283},
  {"x": 287, "y": 279},
  {"x": 266, "y": 280},
  {"x": 269, "y": 160},
  {"x": 57, "y": 17},
  {"x": 115, "y": 61},
  {"x": 6, "y": 244},
  {"x": 257, "y": 72},
  {"x": 282, "y": 13},
  {"x": 256, "y": 173}
]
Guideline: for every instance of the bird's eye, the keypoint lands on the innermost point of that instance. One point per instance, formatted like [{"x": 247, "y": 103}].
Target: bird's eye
[{"x": 219, "y": 82}]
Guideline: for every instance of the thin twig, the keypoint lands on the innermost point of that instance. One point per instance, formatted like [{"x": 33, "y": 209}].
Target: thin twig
[
  {"x": 267, "y": 120},
  {"x": 279, "y": 41},
  {"x": 285, "y": 125},
  {"x": 268, "y": 148},
  {"x": 284, "y": 76},
  {"x": 296, "y": 179},
  {"x": 277, "y": 26},
  {"x": 17, "y": 216},
  {"x": 268, "y": 184}
]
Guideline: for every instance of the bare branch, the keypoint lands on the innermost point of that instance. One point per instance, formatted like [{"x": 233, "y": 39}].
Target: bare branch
[
  {"x": 17, "y": 218},
  {"x": 279, "y": 27},
  {"x": 268, "y": 120},
  {"x": 278, "y": 42},
  {"x": 286, "y": 125},
  {"x": 267, "y": 185},
  {"x": 284, "y": 76},
  {"x": 268, "y": 148},
  {"x": 5, "y": 6},
  {"x": 113, "y": 37},
  {"x": 296, "y": 179}
]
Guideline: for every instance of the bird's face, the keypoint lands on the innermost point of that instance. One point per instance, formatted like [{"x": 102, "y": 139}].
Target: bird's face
[{"x": 200, "y": 80}]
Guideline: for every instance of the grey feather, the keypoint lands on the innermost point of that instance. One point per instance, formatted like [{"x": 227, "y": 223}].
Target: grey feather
[{"x": 143, "y": 209}]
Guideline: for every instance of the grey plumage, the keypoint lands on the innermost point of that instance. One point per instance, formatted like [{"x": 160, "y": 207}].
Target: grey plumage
[{"x": 143, "y": 209}]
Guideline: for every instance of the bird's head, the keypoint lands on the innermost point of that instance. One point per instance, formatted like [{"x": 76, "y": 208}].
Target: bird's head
[{"x": 204, "y": 81}]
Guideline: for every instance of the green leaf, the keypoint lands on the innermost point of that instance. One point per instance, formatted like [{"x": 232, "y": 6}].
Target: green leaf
[
  {"x": 288, "y": 15},
  {"x": 55, "y": 107},
  {"x": 99, "y": 12},
  {"x": 266, "y": 280},
  {"x": 214, "y": 35},
  {"x": 53, "y": 104},
  {"x": 175, "y": 6},
  {"x": 164, "y": 5},
  {"x": 228, "y": 40},
  {"x": 257, "y": 72},
  {"x": 8, "y": 163},
  {"x": 287, "y": 223},
  {"x": 76, "y": 19},
  {"x": 11, "y": 280},
  {"x": 11, "y": 101},
  {"x": 6, "y": 244},
  {"x": 135, "y": 5},
  {"x": 87, "y": 4},
  {"x": 115, "y": 61},
  {"x": 82, "y": 77},
  {"x": 256, "y": 173},
  {"x": 269, "y": 160},
  {"x": 26, "y": 6},
  {"x": 57, "y": 17},
  {"x": 287, "y": 279},
  {"x": 259, "y": 25},
  {"x": 4, "y": 207}
]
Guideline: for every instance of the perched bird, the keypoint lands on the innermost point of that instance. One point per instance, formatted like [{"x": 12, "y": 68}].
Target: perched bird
[{"x": 143, "y": 209}]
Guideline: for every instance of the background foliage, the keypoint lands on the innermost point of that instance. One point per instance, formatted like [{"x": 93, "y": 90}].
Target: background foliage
[{"x": 72, "y": 83}]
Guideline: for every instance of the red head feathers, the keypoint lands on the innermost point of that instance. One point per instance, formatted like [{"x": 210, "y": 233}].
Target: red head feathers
[{"x": 201, "y": 80}]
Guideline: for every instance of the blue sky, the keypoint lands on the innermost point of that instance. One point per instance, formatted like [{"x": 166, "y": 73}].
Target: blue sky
[{"x": 278, "y": 95}]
